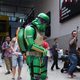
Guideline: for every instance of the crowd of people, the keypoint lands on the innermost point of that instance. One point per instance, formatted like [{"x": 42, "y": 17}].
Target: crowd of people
[
  {"x": 12, "y": 57},
  {"x": 37, "y": 62}
]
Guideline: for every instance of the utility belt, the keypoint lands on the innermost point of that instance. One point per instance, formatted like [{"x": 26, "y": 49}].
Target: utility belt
[{"x": 34, "y": 53}]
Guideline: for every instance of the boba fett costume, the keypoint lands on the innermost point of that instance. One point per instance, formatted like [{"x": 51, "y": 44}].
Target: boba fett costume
[{"x": 30, "y": 41}]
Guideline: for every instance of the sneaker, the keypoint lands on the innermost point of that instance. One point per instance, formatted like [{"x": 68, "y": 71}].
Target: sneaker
[
  {"x": 52, "y": 69},
  {"x": 58, "y": 68},
  {"x": 11, "y": 69},
  {"x": 7, "y": 73},
  {"x": 74, "y": 75},
  {"x": 71, "y": 76},
  {"x": 19, "y": 78},
  {"x": 13, "y": 78}
]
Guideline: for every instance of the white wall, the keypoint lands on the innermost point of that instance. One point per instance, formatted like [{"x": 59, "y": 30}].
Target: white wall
[{"x": 58, "y": 29}]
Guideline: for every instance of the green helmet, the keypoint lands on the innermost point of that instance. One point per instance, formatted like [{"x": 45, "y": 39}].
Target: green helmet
[
  {"x": 41, "y": 22},
  {"x": 44, "y": 17}
]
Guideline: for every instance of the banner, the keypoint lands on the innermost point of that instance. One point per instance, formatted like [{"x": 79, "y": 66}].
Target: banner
[{"x": 69, "y": 9}]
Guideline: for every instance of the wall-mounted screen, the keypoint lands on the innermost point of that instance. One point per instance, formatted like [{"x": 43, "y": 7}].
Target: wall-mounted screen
[{"x": 69, "y": 9}]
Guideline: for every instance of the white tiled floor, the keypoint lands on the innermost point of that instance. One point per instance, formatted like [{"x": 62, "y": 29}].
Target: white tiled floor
[{"x": 52, "y": 75}]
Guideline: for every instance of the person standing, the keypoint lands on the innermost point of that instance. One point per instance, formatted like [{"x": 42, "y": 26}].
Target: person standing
[
  {"x": 7, "y": 54},
  {"x": 30, "y": 41},
  {"x": 72, "y": 54},
  {"x": 46, "y": 46},
  {"x": 55, "y": 54},
  {"x": 17, "y": 58}
]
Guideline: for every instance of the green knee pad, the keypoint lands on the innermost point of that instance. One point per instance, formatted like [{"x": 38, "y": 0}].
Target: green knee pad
[
  {"x": 40, "y": 68},
  {"x": 36, "y": 65}
]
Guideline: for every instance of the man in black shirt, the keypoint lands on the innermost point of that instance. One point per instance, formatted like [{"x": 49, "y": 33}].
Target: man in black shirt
[
  {"x": 55, "y": 54},
  {"x": 72, "y": 54}
]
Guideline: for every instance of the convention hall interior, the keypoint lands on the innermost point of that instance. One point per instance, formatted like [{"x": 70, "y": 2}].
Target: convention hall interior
[{"x": 64, "y": 18}]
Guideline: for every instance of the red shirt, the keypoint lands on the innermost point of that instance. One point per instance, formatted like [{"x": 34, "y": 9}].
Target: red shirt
[{"x": 45, "y": 44}]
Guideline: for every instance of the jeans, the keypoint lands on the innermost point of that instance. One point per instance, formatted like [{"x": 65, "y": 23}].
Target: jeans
[
  {"x": 55, "y": 61},
  {"x": 73, "y": 63},
  {"x": 17, "y": 60}
]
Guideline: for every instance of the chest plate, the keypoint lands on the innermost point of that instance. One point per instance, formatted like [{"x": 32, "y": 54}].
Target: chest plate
[{"x": 39, "y": 38}]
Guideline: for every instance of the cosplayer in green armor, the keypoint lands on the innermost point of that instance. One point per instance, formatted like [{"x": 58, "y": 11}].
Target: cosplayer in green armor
[{"x": 30, "y": 41}]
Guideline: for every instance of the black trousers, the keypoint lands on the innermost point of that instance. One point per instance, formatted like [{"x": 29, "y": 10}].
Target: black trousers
[{"x": 55, "y": 61}]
